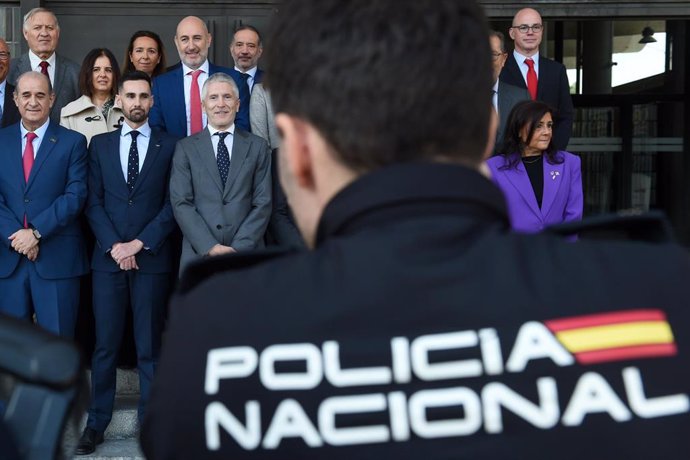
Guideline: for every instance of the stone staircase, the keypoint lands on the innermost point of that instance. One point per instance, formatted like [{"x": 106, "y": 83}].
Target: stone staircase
[{"x": 121, "y": 437}]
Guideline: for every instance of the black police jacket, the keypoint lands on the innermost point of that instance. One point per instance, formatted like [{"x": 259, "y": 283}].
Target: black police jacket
[{"x": 421, "y": 328}]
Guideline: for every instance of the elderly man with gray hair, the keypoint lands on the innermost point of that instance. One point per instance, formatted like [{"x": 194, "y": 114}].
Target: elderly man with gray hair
[
  {"x": 220, "y": 185},
  {"x": 42, "y": 33}
]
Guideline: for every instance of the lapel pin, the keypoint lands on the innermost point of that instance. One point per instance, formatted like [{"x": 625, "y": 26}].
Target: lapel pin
[
  {"x": 53, "y": 139},
  {"x": 554, "y": 174}
]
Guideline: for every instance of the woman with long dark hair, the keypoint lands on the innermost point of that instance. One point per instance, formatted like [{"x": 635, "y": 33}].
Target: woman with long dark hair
[
  {"x": 95, "y": 111},
  {"x": 145, "y": 53},
  {"x": 542, "y": 185}
]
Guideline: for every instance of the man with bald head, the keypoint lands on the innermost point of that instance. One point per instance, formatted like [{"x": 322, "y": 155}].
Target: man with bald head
[
  {"x": 177, "y": 93},
  {"x": 8, "y": 110},
  {"x": 545, "y": 79},
  {"x": 42, "y": 33},
  {"x": 42, "y": 190}
]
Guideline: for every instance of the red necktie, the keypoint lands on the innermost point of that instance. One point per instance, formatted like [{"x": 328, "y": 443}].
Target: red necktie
[
  {"x": 44, "y": 68},
  {"x": 531, "y": 79},
  {"x": 195, "y": 123},
  {"x": 28, "y": 161}
]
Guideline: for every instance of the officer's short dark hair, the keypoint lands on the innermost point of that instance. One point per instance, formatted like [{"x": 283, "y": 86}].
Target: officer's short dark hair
[
  {"x": 385, "y": 81},
  {"x": 135, "y": 75}
]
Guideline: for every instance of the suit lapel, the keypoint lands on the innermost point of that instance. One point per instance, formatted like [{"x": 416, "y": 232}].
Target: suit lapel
[
  {"x": 240, "y": 148},
  {"x": 14, "y": 160},
  {"x": 177, "y": 99},
  {"x": 553, "y": 178},
  {"x": 111, "y": 160},
  {"x": 205, "y": 152},
  {"x": 150, "y": 160},
  {"x": 515, "y": 75},
  {"x": 47, "y": 144},
  {"x": 520, "y": 180},
  {"x": 59, "y": 75}
]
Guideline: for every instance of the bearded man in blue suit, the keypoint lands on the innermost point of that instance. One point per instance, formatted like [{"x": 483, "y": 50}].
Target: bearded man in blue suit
[
  {"x": 42, "y": 193},
  {"x": 177, "y": 106}
]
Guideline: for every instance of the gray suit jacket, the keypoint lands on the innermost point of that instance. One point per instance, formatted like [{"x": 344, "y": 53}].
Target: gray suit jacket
[
  {"x": 508, "y": 96},
  {"x": 65, "y": 86},
  {"x": 208, "y": 213}
]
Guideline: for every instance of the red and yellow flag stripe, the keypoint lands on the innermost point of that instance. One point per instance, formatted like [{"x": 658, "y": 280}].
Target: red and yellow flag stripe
[{"x": 630, "y": 334}]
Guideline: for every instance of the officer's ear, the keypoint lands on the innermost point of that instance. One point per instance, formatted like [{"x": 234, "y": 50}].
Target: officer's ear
[{"x": 297, "y": 149}]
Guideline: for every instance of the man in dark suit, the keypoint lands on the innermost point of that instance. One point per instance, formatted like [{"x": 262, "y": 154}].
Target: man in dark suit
[
  {"x": 418, "y": 326},
  {"x": 42, "y": 33},
  {"x": 220, "y": 187},
  {"x": 177, "y": 106},
  {"x": 246, "y": 49},
  {"x": 42, "y": 192},
  {"x": 9, "y": 114},
  {"x": 545, "y": 79},
  {"x": 505, "y": 96},
  {"x": 129, "y": 212}
]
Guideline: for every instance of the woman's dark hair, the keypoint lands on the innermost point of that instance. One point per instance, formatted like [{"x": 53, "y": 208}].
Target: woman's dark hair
[
  {"x": 86, "y": 72},
  {"x": 525, "y": 114},
  {"x": 129, "y": 66}
]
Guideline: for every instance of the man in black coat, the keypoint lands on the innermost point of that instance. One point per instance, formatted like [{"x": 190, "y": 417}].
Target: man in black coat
[
  {"x": 418, "y": 326},
  {"x": 551, "y": 85}
]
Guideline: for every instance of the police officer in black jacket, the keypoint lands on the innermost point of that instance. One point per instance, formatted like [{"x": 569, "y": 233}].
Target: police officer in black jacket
[{"x": 417, "y": 326}]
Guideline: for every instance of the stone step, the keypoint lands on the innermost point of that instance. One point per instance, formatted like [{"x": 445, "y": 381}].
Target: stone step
[{"x": 115, "y": 449}]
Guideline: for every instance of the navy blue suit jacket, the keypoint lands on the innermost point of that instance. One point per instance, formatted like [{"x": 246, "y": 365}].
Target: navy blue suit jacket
[
  {"x": 116, "y": 215},
  {"x": 169, "y": 110},
  {"x": 52, "y": 201},
  {"x": 553, "y": 88},
  {"x": 10, "y": 113}
]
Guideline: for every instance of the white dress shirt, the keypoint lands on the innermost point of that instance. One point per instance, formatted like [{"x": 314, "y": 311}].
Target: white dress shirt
[
  {"x": 36, "y": 65},
  {"x": 188, "y": 91},
  {"x": 126, "y": 141},
  {"x": 40, "y": 133},
  {"x": 3, "y": 87},
  {"x": 520, "y": 59}
]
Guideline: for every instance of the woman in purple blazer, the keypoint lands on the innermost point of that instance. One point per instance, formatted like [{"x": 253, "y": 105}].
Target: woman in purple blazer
[{"x": 542, "y": 186}]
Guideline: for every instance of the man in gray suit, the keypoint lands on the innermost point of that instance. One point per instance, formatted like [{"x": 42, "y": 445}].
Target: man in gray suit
[
  {"x": 42, "y": 32},
  {"x": 505, "y": 96},
  {"x": 220, "y": 185}
]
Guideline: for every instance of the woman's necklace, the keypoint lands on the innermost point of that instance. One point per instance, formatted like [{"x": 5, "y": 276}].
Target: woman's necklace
[{"x": 533, "y": 159}]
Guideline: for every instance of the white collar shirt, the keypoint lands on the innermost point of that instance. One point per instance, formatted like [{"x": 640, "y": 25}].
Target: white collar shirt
[
  {"x": 143, "y": 140},
  {"x": 187, "y": 79},
  {"x": 36, "y": 65}
]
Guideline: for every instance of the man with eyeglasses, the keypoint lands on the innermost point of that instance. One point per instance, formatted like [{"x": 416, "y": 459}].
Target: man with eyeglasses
[
  {"x": 9, "y": 114},
  {"x": 545, "y": 79},
  {"x": 504, "y": 96}
]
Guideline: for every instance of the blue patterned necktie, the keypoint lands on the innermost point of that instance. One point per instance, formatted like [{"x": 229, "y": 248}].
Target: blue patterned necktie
[
  {"x": 133, "y": 162},
  {"x": 223, "y": 157}
]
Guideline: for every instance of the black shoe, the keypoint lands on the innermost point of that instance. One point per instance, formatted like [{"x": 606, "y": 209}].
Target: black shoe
[{"x": 88, "y": 441}]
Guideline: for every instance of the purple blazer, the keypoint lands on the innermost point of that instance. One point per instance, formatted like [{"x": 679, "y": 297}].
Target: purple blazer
[{"x": 561, "y": 200}]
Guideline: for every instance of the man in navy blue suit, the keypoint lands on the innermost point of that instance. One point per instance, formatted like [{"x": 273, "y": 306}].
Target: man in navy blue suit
[
  {"x": 42, "y": 193},
  {"x": 246, "y": 49},
  {"x": 550, "y": 80},
  {"x": 129, "y": 211},
  {"x": 177, "y": 107}
]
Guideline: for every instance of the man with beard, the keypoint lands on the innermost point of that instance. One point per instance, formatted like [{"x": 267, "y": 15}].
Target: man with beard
[{"x": 129, "y": 211}]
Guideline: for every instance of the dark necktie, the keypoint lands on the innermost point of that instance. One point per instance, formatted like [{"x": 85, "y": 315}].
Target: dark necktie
[
  {"x": 531, "y": 79},
  {"x": 223, "y": 157},
  {"x": 133, "y": 162},
  {"x": 245, "y": 82},
  {"x": 44, "y": 68}
]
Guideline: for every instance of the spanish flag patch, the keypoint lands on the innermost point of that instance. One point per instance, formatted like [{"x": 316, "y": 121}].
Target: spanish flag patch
[{"x": 624, "y": 335}]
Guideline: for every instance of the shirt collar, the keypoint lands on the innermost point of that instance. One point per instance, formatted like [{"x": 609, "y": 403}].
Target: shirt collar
[
  {"x": 40, "y": 132},
  {"x": 213, "y": 130},
  {"x": 251, "y": 72},
  {"x": 520, "y": 58},
  {"x": 3, "y": 85},
  {"x": 144, "y": 130},
  {"x": 203, "y": 67},
  {"x": 35, "y": 60},
  {"x": 495, "y": 87}
]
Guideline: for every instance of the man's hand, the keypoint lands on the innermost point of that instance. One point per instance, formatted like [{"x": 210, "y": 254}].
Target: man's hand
[
  {"x": 32, "y": 255},
  {"x": 121, "y": 251},
  {"x": 128, "y": 263},
  {"x": 23, "y": 240},
  {"x": 219, "y": 250}
]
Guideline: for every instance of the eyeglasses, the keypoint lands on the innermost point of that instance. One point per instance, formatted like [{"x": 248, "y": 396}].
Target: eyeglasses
[
  {"x": 524, "y": 28},
  {"x": 496, "y": 56},
  {"x": 4, "y": 56}
]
